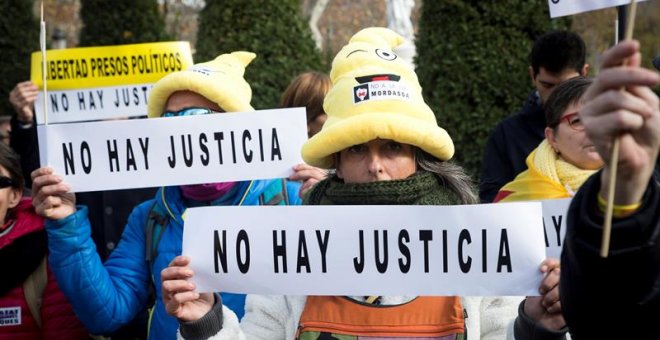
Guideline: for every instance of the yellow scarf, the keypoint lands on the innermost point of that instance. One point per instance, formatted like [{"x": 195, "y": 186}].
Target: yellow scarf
[{"x": 547, "y": 177}]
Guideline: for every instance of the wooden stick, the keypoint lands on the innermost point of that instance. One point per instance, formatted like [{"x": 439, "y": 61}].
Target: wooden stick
[
  {"x": 42, "y": 42},
  {"x": 614, "y": 159}
]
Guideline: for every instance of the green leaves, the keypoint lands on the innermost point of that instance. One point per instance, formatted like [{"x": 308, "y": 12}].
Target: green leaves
[
  {"x": 19, "y": 37},
  {"x": 120, "y": 22},
  {"x": 274, "y": 30},
  {"x": 472, "y": 59}
]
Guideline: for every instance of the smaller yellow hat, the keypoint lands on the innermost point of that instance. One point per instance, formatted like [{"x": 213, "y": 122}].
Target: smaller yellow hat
[
  {"x": 219, "y": 80},
  {"x": 374, "y": 95}
]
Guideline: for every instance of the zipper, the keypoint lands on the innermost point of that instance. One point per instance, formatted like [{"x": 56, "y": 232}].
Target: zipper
[{"x": 331, "y": 328}]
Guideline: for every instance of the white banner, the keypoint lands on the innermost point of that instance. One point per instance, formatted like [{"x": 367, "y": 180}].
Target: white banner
[
  {"x": 139, "y": 153},
  {"x": 554, "y": 225},
  {"x": 474, "y": 250},
  {"x": 560, "y": 8},
  {"x": 94, "y": 104}
]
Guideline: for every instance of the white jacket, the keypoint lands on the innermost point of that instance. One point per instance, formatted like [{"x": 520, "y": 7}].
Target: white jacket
[{"x": 272, "y": 317}]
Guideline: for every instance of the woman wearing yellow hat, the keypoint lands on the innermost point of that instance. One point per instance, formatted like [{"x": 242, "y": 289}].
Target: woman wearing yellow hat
[
  {"x": 108, "y": 295},
  {"x": 388, "y": 149}
]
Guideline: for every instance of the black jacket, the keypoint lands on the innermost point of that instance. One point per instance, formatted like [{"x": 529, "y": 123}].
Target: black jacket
[
  {"x": 617, "y": 297},
  {"x": 24, "y": 142},
  {"x": 508, "y": 146}
]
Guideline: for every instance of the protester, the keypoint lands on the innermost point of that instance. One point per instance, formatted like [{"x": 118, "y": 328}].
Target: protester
[
  {"x": 556, "y": 169},
  {"x": 308, "y": 90},
  {"x": 107, "y": 210},
  {"x": 565, "y": 158},
  {"x": 108, "y": 295},
  {"x": 5, "y": 129},
  {"x": 387, "y": 149},
  {"x": 555, "y": 57},
  {"x": 31, "y": 303},
  {"x": 617, "y": 297},
  {"x": 23, "y": 128}
]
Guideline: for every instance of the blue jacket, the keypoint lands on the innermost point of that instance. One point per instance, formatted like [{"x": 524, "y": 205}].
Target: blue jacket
[{"x": 107, "y": 296}]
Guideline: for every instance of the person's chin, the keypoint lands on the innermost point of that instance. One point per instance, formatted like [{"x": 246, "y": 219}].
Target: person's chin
[{"x": 595, "y": 162}]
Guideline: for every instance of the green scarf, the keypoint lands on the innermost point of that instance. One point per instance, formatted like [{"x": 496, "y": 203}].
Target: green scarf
[{"x": 422, "y": 188}]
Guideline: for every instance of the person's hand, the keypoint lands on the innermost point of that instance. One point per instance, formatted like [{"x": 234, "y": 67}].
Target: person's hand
[
  {"x": 546, "y": 309},
  {"x": 309, "y": 175},
  {"x": 632, "y": 115},
  {"x": 51, "y": 197},
  {"x": 22, "y": 98},
  {"x": 179, "y": 295}
]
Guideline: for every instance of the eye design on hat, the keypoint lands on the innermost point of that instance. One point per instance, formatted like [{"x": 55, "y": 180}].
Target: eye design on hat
[
  {"x": 204, "y": 70},
  {"x": 385, "y": 54},
  {"x": 354, "y": 52}
]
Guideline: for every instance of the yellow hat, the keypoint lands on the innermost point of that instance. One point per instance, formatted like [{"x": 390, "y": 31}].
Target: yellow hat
[
  {"x": 374, "y": 95},
  {"x": 220, "y": 81}
]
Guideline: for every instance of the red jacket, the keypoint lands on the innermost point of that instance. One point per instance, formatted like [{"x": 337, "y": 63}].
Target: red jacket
[{"x": 23, "y": 245}]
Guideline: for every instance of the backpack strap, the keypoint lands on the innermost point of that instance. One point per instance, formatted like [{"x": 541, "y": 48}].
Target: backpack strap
[
  {"x": 285, "y": 191},
  {"x": 275, "y": 194},
  {"x": 34, "y": 287},
  {"x": 157, "y": 221}
]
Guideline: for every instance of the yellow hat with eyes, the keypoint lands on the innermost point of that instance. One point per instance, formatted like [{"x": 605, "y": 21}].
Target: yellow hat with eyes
[
  {"x": 219, "y": 80},
  {"x": 374, "y": 95}
]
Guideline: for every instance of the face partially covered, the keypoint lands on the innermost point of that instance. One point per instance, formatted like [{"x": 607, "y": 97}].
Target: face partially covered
[
  {"x": 10, "y": 196},
  {"x": 377, "y": 160},
  {"x": 570, "y": 141},
  {"x": 181, "y": 100}
]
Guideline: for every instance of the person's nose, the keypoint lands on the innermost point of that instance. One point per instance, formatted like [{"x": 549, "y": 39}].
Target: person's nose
[{"x": 375, "y": 165}]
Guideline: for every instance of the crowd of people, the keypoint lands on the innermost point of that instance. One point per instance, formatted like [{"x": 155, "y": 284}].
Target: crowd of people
[{"x": 110, "y": 263}]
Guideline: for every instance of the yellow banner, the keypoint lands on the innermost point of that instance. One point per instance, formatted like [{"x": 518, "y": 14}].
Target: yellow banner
[{"x": 90, "y": 67}]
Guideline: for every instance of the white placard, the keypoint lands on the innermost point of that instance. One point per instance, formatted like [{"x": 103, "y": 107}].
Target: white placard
[
  {"x": 94, "y": 104},
  {"x": 475, "y": 250},
  {"x": 141, "y": 153},
  {"x": 555, "y": 213},
  {"x": 560, "y": 8}
]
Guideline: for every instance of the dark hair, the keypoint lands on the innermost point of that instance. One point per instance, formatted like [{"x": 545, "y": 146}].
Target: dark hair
[
  {"x": 558, "y": 50},
  {"x": 308, "y": 89},
  {"x": 565, "y": 94},
  {"x": 452, "y": 175},
  {"x": 12, "y": 163}
]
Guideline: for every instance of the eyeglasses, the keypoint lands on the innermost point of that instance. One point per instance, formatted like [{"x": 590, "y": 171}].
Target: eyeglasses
[
  {"x": 191, "y": 111},
  {"x": 573, "y": 120},
  {"x": 6, "y": 182}
]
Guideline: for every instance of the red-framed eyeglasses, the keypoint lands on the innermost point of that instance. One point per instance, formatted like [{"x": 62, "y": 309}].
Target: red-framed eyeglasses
[{"x": 573, "y": 120}]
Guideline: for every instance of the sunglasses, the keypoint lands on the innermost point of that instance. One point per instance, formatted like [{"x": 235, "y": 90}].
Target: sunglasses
[
  {"x": 6, "y": 182},
  {"x": 573, "y": 120},
  {"x": 191, "y": 111}
]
